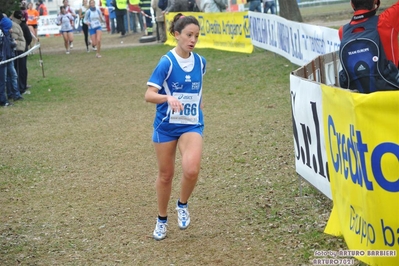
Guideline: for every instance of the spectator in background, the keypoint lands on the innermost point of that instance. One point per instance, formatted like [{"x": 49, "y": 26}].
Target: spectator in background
[
  {"x": 12, "y": 77},
  {"x": 120, "y": 12},
  {"x": 160, "y": 19},
  {"x": 130, "y": 18},
  {"x": 105, "y": 12},
  {"x": 176, "y": 6},
  {"x": 24, "y": 7},
  {"x": 112, "y": 16},
  {"x": 135, "y": 12},
  {"x": 42, "y": 9},
  {"x": 145, "y": 6},
  {"x": 383, "y": 74},
  {"x": 5, "y": 26},
  {"x": 64, "y": 20},
  {"x": 269, "y": 5},
  {"x": 254, "y": 5},
  {"x": 21, "y": 62},
  {"x": 212, "y": 6},
  {"x": 33, "y": 16}
]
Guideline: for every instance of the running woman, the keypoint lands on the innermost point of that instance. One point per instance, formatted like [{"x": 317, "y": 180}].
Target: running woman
[
  {"x": 175, "y": 86},
  {"x": 69, "y": 9},
  {"x": 82, "y": 11},
  {"x": 64, "y": 19},
  {"x": 93, "y": 19},
  {"x": 33, "y": 17}
]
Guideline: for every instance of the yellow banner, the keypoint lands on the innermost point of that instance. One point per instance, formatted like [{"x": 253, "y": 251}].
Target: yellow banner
[
  {"x": 362, "y": 145},
  {"x": 227, "y": 31}
]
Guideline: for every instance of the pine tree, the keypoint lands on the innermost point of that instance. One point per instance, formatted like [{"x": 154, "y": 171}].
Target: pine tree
[{"x": 8, "y": 6}]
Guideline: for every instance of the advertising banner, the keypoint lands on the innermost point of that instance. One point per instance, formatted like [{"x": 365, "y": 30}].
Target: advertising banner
[
  {"x": 222, "y": 31},
  {"x": 308, "y": 131},
  {"x": 362, "y": 146},
  {"x": 298, "y": 42},
  {"x": 48, "y": 25}
]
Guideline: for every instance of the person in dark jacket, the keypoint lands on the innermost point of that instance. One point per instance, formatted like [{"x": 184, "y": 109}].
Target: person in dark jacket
[
  {"x": 120, "y": 12},
  {"x": 12, "y": 76},
  {"x": 5, "y": 26},
  {"x": 21, "y": 63}
]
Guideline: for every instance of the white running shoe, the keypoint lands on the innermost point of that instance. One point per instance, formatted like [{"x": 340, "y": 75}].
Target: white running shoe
[
  {"x": 94, "y": 48},
  {"x": 67, "y": 52},
  {"x": 160, "y": 230},
  {"x": 71, "y": 45},
  {"x": 183, "y": 216}
]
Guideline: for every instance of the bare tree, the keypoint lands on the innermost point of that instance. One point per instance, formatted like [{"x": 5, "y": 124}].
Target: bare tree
[{"x": 289, "y": 9}]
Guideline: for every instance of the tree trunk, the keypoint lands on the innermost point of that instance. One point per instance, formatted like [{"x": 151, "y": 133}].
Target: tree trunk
[{"x": 289, "y": 10}]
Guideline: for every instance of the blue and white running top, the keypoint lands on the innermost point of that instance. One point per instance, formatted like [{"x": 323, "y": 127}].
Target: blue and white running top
[
  {"x": 181, "y": 78},
  {"x": 94, "y": 17},
  {"x": 65, "y": 21}
]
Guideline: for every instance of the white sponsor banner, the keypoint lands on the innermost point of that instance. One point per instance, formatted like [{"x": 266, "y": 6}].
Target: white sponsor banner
[
  {"x": 298, "y": 42},
  {"x": 48, "y": 25},
  {"x": 307, "y": 119}
]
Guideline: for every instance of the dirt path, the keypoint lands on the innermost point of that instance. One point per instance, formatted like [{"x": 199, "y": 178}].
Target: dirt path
[{"x": 54, "y": 44}]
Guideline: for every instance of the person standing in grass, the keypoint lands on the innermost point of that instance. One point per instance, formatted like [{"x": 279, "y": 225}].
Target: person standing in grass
[
  {"x": 64, "y": 19},
  {"x": 160, "y": 20},
  {"x": 93, "y": 19},
  {"x": 5, "y": 26},
  {"x": 21, "y": 62},
  {"x": 120, "y": 13},
  {"x": 175, "y": 86},
  {"x": 12, "y": 76}
]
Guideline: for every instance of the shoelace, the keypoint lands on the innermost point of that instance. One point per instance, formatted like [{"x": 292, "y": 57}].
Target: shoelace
[
  {"x": 161, "y": 227},
  {"x": 182, "y": 214}
]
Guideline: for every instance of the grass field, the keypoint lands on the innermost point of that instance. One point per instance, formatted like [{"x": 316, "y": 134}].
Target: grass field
[{"x": 77, "y": 166}]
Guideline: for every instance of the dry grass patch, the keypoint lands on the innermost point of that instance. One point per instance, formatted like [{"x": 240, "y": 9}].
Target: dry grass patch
[{"x": 77, "y": 167}]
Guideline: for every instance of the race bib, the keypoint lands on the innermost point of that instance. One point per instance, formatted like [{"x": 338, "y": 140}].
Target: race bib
[
  {"x": 190, "y": 113},
  {"x": 95, "y": 24}
]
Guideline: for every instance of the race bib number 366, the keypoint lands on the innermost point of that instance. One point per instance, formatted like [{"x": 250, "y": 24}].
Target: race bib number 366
[{"x": 190, "y": 113}]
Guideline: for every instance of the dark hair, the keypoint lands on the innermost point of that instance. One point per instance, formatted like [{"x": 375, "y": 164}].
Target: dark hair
[
  {"x": 363, "y": 4},
  {"x": 18, "y": 15},
  {"x": 180, "y": 22},
  {"x": 61, "y": 8}
]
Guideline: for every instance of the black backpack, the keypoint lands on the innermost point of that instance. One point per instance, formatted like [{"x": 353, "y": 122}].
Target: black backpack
[{"x": 364, "y": 63}]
